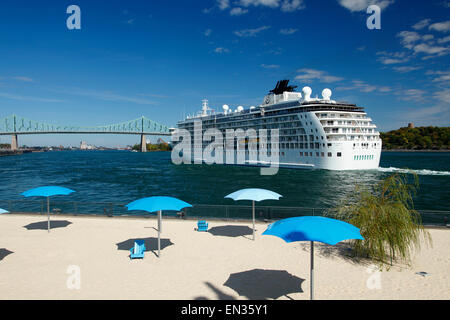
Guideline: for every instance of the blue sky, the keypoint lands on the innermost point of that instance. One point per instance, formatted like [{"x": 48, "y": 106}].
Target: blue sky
[{"x": 161, "y": 58}]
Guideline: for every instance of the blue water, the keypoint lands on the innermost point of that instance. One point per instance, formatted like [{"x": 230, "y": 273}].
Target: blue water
[{"x": 121, "y": 177}]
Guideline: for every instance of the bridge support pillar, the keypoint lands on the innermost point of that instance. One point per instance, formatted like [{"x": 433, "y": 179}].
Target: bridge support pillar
[
  {"x": 143, "y": 143},
  {"x": 14, "y": 143}
]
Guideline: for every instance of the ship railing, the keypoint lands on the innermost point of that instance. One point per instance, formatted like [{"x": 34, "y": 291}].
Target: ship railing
[{"x": 263, "y": 213}]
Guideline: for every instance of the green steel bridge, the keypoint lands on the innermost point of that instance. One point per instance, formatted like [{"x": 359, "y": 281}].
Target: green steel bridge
[{"x": 14, "y": 125}]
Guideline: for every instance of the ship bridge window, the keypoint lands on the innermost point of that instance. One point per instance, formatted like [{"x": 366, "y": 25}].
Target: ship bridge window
[
  {"x": 330, "y": 154},
  {"x": 339, "y": 154}
]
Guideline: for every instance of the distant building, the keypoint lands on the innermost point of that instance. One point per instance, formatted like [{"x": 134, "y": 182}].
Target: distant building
[
  {"x": 85, "y": 146},
  {"x": 410, "y": 125}
]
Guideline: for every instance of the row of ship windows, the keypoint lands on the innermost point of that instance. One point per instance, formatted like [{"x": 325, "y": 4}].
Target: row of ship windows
[
  {"x": 303, "y": 154},
  {"x": 321, "y": 154},
  {"x": 363, "y": 157}
]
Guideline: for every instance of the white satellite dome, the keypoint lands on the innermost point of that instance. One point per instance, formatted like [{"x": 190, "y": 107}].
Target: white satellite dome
[
  {"x": 307, "y": 93},
  {"x": 326, "y": 94},
  {"x": 240, "y": 109},
  {"x": 225, "y": 108}
]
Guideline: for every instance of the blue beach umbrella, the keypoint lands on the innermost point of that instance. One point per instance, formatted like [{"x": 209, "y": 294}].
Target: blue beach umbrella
[
  {"x": 47, "y": 191},
  {"x": 158, "y": 204},
  {"x": 254, "y": 194},
  {"x": 322, "y": 229},
  {"x": 3, "y": 211}
]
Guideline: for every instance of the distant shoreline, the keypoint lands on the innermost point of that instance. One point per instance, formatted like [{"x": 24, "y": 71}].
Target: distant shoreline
[{"x": 406, "y": 150}]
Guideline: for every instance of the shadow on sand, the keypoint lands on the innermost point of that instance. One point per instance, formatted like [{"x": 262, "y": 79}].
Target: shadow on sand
[
  {"x": 231, "y": 231},
  {"x": 151, "y": 244},
  {"x": 42, "y": 225},
  {"x": 259, "y": 284},
  {"x": 341, "y": 250},
  {"x": 4, "y": 252},
  {"x": 219, "y": 294}
]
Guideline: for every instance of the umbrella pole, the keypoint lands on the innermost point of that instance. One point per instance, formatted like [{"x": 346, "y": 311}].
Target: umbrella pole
[
  {"x": 159, "y": 233},
  {"x": 48, "y": 214},
  {"x": 312, "y": 272},
  {"x": 253, "y": 210}
]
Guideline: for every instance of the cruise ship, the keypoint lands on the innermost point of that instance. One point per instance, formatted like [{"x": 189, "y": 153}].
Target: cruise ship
[{"x": 314, "y": 133}]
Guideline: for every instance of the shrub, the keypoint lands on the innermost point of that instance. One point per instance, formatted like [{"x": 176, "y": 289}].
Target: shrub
[{"x": 385, "y": 214}]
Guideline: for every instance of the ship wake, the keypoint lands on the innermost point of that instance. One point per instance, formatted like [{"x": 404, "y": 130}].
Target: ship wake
[{"x": 423, "y": 172}]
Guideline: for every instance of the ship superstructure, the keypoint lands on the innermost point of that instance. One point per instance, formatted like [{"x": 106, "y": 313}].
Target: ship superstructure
[{"x": 314, "y": 133}]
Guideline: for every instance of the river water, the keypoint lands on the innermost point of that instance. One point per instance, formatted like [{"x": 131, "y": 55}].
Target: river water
[{"x": 122, "y": 176}]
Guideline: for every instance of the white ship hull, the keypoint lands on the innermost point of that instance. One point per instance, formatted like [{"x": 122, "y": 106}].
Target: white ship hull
[{"x": 352, "y": 158}]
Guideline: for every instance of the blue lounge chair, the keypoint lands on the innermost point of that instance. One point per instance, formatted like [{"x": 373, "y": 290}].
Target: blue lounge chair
[
  {"x": 202, "y": 225},
  {"x": 137, "y": 252}
]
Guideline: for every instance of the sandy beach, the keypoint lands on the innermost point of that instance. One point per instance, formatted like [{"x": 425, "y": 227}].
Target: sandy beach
[{"x": 222, "y": 264}]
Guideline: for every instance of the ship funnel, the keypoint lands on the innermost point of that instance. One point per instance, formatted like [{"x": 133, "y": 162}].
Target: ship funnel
[{"x": 307, "y": 93}]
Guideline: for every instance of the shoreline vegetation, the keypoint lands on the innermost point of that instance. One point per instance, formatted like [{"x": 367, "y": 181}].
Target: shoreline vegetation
[
  {"x": 420, "y": 139},
  {"x": 163, "y": 146}
]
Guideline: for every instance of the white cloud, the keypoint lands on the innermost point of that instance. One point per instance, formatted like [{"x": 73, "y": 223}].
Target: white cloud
[
  {"x": 250, "y": 32},
  {"x": 291, "y": 6},
  {"x": 21, "y": 78},
  {"x": 26, "y": 98},
  {"x": 238, "y": 11},
  {"x": 307, "y": 75},
  {"x": 266, "y": 3},
  {"x": 362, "y": 86},
  {"x": 421, "y": 24},
  {"x": 288, "y": 31},
  {"x": 223, "y": 4},
  {"x": 270, "y": 66},
  {"x": 361, "y": 5},
  {"x": 408, "y": 38},
  {"x": 387, "y": 60},
  {"x": 444, "y": 40},
  {"x": 425, "y": 48},
  {"x": 392, "y": 57},
  {"x": 405, "y": 69},
  {"x": 442, "y": 76},
  {"x": 103, "y": 95},
  {"x": 422, "y": 44},
  {"x": 444, "y": 96},
  {"x": 411, "y": 94},
  {"x": 221, "y": 50},
  {"x": 284, "y": 5},
  {"x": 384, "y": 89},
  {"x": 440, "y": 26}
]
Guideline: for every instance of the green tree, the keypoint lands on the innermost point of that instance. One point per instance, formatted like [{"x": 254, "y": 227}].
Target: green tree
[{"x": 385, "y": 214}]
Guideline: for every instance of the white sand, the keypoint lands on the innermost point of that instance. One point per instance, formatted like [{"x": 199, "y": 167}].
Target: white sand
[{"x": 197, "y": 265}]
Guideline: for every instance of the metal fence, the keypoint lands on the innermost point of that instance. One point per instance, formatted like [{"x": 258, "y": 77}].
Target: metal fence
[{"x": 225, "y": 212}]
